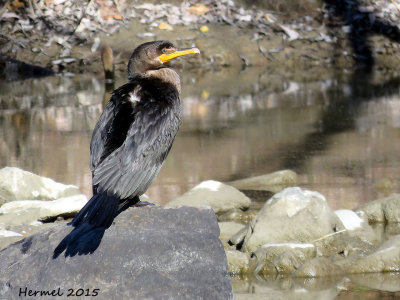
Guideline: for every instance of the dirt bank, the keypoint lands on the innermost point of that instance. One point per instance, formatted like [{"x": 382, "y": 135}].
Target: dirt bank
[{"x": 67, "y": 36}]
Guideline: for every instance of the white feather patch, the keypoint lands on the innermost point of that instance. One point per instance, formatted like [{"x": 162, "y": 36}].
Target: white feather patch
[{"x": 133, "y": 97}]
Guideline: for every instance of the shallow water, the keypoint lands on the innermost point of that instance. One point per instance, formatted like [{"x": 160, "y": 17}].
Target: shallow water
[{"x": 340, "y": 131}]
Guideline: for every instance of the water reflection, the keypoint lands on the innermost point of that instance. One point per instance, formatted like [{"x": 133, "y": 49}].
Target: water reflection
[
  {"x": 354, "y": 286},
  {"x": 339, "y": 131}
]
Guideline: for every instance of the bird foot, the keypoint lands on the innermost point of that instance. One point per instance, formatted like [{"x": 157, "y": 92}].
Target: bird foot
[{"x": 143, "y": 203}]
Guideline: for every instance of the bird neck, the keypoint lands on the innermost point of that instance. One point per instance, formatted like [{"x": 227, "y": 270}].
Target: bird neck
[{"x": 167, "y": 75}]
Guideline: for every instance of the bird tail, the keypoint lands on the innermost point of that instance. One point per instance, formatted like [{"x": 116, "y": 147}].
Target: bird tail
[{"x": 90, "y": 224}]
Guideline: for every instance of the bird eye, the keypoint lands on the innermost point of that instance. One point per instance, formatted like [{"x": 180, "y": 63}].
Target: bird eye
[{"x": 164, "y": 50}]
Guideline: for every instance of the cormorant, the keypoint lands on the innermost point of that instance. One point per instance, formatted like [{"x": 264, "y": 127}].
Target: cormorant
[{"x": 130, "y": 142}]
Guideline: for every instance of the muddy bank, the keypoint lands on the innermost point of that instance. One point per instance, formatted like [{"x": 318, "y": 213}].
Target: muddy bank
[{"x": 67, "y": 37}]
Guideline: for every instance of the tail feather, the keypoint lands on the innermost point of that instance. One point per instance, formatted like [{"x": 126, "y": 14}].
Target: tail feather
[
  {"x": 98, "y": 204},
  {"x": 90, "y": 223}
]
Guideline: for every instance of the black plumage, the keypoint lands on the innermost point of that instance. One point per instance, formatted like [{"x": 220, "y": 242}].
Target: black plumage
[{"x": 130, "y": 142}]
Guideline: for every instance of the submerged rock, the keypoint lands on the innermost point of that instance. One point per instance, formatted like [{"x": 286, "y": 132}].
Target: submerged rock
[
  {"x": 17, "y": 184},
  {"x": 385, "y": 259},
  {"x": 274, "y": 182},
  {"x": 238, "y": 262},
  {"x": 387, "y": 281},
  {"x": 293, "y": 215},
  {"x": 150, "y": 252},
  {"x": 319, "y": 267},
  {"x": 282, "y": 258},
  {"x": 385, "y": 210},
  {"x": 217, "y": 195}
]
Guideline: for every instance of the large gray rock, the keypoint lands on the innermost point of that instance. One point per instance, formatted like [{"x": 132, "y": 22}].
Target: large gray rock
[
  {"x": 293, "y": 215},
  {"x": 149, "y": 253},
  {"x": 273, "y": 182},
  {"x": 220, "y": 197},
  {"x": 385, "y": 210},
  {"x": 16, "y": 184}
]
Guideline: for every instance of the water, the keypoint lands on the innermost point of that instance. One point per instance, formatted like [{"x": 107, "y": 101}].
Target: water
[{"x": 340, "y": 131}]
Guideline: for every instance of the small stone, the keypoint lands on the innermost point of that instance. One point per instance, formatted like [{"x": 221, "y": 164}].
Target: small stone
[
  {"x": 274, "y": 182},
  {"x": 220, "y": 197}
]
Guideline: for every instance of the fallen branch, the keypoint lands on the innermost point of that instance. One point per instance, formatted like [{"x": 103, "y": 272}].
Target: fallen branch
[{"x": 329, "y": 235}]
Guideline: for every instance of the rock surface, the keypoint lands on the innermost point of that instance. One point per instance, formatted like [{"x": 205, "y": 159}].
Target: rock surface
[
  {"x": 228, "y": 229},
  {"x": 17, "y": 184},
  {"x": 282, "y": 258},
  {"x": 319, "y": 267},
  {"x": 274, "y": 182},
  {"x": 220, "y": 197},
  {"x": 385, "y": 259},
  {"x": 29, "y": 211},
  {"x": 19, "y": 232},
  {"x": 149, "y": 253},
  {"x": 293, "y": 215},
  {"x": 383, "y": 210},
  {"x": 238, "y": 262},
  {"x": 350, "y": 219}
]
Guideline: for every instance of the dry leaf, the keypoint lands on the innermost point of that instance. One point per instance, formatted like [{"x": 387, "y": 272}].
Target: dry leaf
[
  {"x": 205, "y": 94},
  {"x": 204, "y": 28},
  {"x": 165, "y": 26},
  {"x": 57, "y": 2},
  {"x": 270, "y": 18},
  {"x": 292, "y": 34},
  {"x": 107, "y": 13},
  {"x": 14, "y": 5},
  {"x": 199, "y": 9}
]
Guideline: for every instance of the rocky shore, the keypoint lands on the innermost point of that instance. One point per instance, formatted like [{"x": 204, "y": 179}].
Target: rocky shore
[{"x": 293, "y": 234}]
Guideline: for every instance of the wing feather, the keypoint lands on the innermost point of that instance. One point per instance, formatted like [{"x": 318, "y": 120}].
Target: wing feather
[{"x": 129, "y": 169}]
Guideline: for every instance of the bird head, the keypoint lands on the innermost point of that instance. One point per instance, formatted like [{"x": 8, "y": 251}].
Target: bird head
[{"x": 152, "y": 55}]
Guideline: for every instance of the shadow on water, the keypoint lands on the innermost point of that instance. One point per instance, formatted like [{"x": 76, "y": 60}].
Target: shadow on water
[{"x": 13, "y": 70}]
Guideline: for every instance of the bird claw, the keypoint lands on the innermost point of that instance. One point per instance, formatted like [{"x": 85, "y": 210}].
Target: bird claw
[{"x": 144, "y": 203}]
